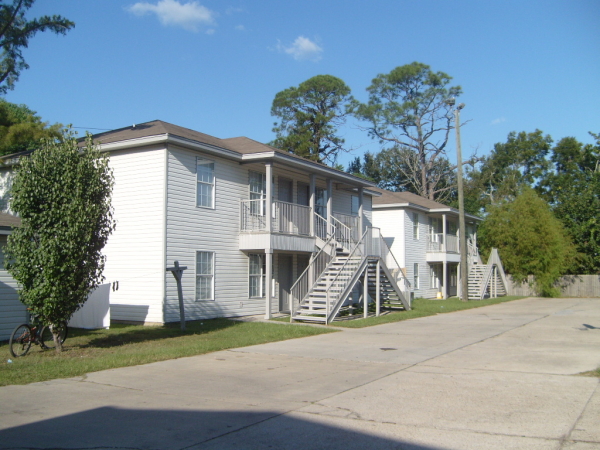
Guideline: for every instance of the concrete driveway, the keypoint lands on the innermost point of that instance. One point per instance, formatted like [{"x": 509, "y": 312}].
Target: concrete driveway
[{"x": 498, "y": 377}]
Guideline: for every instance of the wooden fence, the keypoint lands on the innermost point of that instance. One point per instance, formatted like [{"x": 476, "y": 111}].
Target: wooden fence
[{"x": 569, "y": 285}]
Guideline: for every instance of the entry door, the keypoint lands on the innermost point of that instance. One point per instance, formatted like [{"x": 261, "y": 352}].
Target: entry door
[
  {"x": 286, "y": 263},
  {"x": 286, "y": 223}
]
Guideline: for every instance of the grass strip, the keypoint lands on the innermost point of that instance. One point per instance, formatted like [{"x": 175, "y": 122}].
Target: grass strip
[
  {"x": 129, "y": 345},
  {"x": 421, "y": 307}
]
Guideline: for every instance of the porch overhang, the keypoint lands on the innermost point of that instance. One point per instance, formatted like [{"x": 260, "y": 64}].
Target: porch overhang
[{"x": 276, "y": 241}]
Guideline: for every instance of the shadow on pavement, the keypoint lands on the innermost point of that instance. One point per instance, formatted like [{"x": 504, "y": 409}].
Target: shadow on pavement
[{"x": 116, "y": 428}]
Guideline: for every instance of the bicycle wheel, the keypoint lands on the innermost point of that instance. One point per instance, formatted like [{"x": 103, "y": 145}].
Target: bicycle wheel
[
  {"x": 20, "y": 340},
  {"x": 47, "y": 338}
]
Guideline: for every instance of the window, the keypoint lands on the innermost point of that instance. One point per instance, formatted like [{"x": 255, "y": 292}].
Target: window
[
  {"x": 321, "y": 202},
  {"x": 354, "y": 206},
  {"x": 415, "y": 226},
  {"x": 416, "y": 275},
  {"x": 205, "y": 176},
  {"x": 258, "y": 192},
  {"x": 256, "y": 277},
  {"x": 434, "y": 279},
  {"x": 205, "y": 274}
]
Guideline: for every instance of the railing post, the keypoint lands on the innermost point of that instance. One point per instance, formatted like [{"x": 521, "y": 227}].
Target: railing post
[
  {"x": 366, "y": 291},
  {"x": 378, "y": 292},
  {"x": 311, "y": 203},
  {"x": 269, "y": 201}
]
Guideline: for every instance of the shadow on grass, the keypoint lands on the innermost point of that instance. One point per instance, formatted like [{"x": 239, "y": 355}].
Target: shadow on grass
[{"x": 121, "y": 334}]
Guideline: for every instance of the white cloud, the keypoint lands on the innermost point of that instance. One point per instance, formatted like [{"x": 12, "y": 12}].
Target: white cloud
[
  {"x": 498, "y": 120},
  {"x": 188, "y": 15},
  {"x": 240, "y": 27},
  {"x": 302, "y": 48},
  {"x": 232, "y": 10}
]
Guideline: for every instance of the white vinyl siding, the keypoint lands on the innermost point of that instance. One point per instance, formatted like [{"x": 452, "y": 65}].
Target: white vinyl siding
[
  {"x": 205, "y": 275},
  {"x": 190, "y": 229},
  {"x": 205, "y": 177},
  {"x": 415, "y": 251},
  {"x": 12, "y": 311},
  {"x": 135, "y": 250}
]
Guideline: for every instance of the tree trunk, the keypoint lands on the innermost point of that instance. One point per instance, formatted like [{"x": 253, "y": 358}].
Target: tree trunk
[{"x": 56, "y": 337}]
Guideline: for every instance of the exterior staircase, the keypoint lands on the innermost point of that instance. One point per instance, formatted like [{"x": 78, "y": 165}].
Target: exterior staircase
[
  {"x": 487, "y": 280},
  {"x": 334, "y": 280},
  {"x": 331, "y": 288},
  {"x": 389, "y": 293}
]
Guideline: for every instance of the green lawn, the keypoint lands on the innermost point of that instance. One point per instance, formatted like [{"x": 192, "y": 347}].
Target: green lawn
[
  {"x": 128, "y": 345},
  {"x": 421, "y": 307}
]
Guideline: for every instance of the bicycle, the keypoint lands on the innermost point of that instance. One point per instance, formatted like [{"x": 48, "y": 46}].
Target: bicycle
[{"x": 24, "y": 335}]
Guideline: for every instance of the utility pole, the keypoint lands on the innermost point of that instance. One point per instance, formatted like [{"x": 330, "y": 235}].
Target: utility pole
[{"x": 464, "y": 270}]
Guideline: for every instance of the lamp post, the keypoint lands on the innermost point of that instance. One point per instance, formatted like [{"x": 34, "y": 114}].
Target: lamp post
[{"x": 464, "y": 273}]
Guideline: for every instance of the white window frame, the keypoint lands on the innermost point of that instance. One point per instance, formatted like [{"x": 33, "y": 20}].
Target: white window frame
[
  {"x": 210, "y": 183},
  {"x": 206, "y": 275},
  {"x": 354, "y": 202},
  {"x": 416, "y": 226},
  {"x": 434, "y": 280},
  {"x": 257, "y": 179},
  {"x": 416, "y": 275},
  {"x": 256, "y": 289},
  {"x": 321, "y": 202}
]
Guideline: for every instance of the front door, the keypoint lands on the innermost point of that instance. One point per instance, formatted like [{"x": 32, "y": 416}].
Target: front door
[
  {"x": 286, "y": 264},
  {"x": 286, "y": 213}
]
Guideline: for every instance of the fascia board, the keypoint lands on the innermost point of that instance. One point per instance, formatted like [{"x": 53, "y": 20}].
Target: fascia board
[
  {"x": 309, "y": 165},
  {"x": 169, "y": 139},
  {"x": 401, "y": 206}
]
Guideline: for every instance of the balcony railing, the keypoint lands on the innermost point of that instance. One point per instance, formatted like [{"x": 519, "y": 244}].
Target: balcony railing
[
  {"x": 286, "y": 217},
  {"x": 440, "y": 243}
]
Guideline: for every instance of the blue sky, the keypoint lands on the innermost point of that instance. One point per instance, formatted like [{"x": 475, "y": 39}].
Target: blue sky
[{"x": 215, "y": 66}]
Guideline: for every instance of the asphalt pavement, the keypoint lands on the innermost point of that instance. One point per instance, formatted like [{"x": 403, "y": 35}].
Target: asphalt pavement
[{"x": 499, "y": 377}]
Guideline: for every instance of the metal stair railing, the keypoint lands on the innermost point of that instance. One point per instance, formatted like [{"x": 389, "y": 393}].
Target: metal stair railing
[
  {"x": 358, "y": 250},
  {"x": 306, "y": 281},
  {"x": 493, "y": 262},
  {"x": 342, "y": 233},
  {"x": 394, "y": 272}
]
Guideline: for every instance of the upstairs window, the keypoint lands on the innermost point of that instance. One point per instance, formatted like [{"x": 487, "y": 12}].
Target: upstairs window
[
  {"x": 354, "y": 205},
  {"x": 205, "y": 177},
  {"x": 415, "y": 226},
  {"x": 258, "y": 192},
  {"x": 321, "y": 202}
]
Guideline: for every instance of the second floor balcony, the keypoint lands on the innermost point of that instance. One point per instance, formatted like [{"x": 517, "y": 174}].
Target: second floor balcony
[{"x": 442, "y": 243}]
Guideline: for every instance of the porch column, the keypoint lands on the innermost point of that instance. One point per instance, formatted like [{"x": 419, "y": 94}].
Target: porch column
[
  {"x": 268, "y": 280},
  {"x": 445, "y": 263},
  {"x": 360, "y": 211},
  {"x": 269, "y": 200},
  {"x": 378, "y": 292},
  {"x": 366, "y": 293},
  {"x": 329, "y": 206},
  {"x": 311, "y": 202},
  {"x": 445, "y": 249}
]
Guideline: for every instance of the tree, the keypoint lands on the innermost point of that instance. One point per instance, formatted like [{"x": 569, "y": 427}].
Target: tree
[
  {"x": 367, "y": 168},
  {"x": 400, "y": 171},
  {"x": 408, "y": 109},
  {"x": 21, "y": 129},
  {"x": 62, "y": 193},
  {"x": 520, "y": 161},
  {"x": 530, "y": 240},
  {"x": 15, "y": 32},
  {"x": 573, "y": 191},
  {"x": 309, "y": 117}
]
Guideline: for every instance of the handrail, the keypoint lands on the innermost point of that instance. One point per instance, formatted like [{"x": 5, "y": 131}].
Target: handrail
[
  {"x": 321, "y": 227},
  {"x": 352, "y": 252},
  {"x": 389, "y": 253},
  {"x": 317, "y": 265},
  {"x": 493, "y": 260},
  {"x": 343, "y": 233}
]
